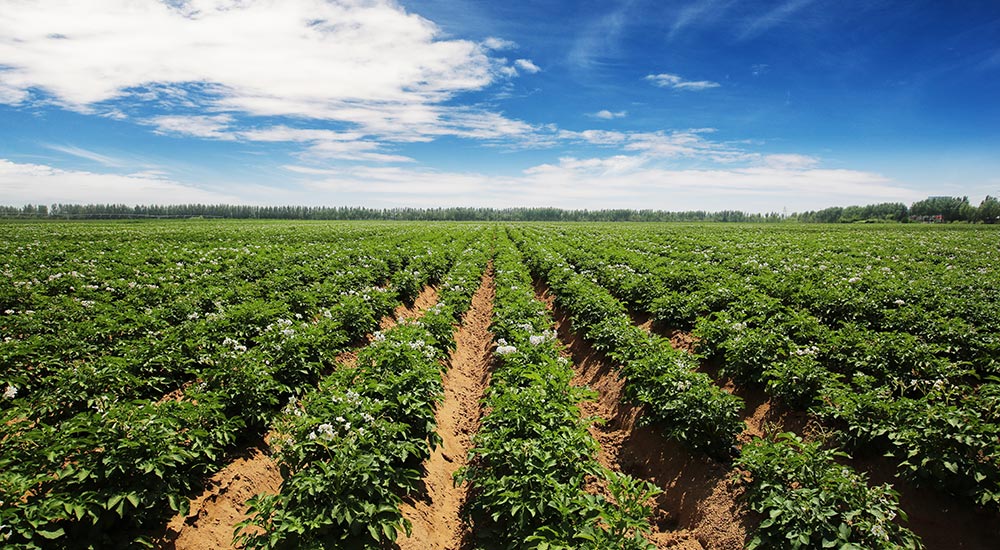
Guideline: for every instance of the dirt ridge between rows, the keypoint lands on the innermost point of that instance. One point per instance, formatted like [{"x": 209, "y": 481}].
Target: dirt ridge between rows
[
  {"x": 933, "y": 516},
  {"x": 214, "y": 513},
  {"x": 435, "y": 512},
  {"x": 699, "y": 508}
]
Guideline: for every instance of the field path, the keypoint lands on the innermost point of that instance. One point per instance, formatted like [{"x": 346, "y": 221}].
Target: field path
[
  {"x": 698, "y": 509},
  {"x": 436, "y": 511},
  {"x": 215, "y": 512}
]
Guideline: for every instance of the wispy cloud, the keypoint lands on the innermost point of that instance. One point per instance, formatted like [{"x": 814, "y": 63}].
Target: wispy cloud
[
  {"x": 697, "y": 13},
  {"x": 79, "y": 152},
  {"x": 527, "y": 66},
  {"x": 779, "y": 15},
  {"x": 599, "y": 37},
  {"x": 202, "y": 126},
  {"x": 618, "y": 181},
  {"x": 495, "y": 43},
  {"x": 41, "y": 184},
  {"x": 605, "y": 114},
  {"x": 676, "y": 82}
]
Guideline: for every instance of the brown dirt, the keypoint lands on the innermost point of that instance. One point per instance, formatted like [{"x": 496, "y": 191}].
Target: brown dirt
[
  {"x": 761, "y": 415},
  {"x": 424, "y": 301},
  {"x": 435, "y": 511},
  {"x": 699, "y": 508},
  {"x": 941, "y": 521},
  {"x": 679, "y": 339},
  {"x": 215, "y": 512}
]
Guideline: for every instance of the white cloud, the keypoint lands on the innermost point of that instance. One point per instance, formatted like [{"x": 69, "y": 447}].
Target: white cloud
[
  {"x": 527, "y": 66},
  {"x": 609, "y": 115},
  {"x": 367, "y": 63},
  {"x": 203, "y": 126},
  {"x": 494, "y": 43},
  {"x": 40, "y": 184},
  {"x": 618, "y": 181},
  {"x": 667, "y": 80},
  {"x": 790, "y": 161}
]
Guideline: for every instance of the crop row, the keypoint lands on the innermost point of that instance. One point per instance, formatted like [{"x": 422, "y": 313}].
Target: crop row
[
  {"x": 927, "y": 397},
  {"x": 352, "y": 448},
  {"x": 684, "y": 403},
  {"x": 807, "y": 498},
  {"x": 118, "y": 463},
  {"x": 533, "y": 458}
]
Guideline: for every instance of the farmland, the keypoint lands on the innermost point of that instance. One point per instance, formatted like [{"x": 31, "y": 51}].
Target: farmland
[{"x": 585, "y": 385}]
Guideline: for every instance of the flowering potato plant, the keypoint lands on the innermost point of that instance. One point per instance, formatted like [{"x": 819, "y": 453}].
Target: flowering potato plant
[
  {"x": 351, "y": 448},
  {"x": 533, "y": 456}
]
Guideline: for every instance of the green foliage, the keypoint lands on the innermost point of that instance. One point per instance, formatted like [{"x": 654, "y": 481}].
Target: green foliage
[
  {"x": 808, "y": 500},
  {"x": 351, "y": 448},
  {"x": 533, "y": 456}
]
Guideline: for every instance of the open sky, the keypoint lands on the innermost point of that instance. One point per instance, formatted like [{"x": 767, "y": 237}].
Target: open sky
[{"x": 677, "y": 105}]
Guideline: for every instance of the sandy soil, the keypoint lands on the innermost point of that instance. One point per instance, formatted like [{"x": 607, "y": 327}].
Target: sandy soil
[
  {"x": 941, "y": 521},
  {"x": 698, "y": 509},
  {"x": 435, "y": 510},
  {"x": 215, "y": 512}
]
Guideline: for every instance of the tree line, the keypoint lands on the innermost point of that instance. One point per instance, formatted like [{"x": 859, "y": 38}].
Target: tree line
[{"x": 932, "y": 209}]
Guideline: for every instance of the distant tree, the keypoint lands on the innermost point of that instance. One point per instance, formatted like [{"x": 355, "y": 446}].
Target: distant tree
[
  {"x": 989, "y": 210},
  {"x": 949, "y": 208}
]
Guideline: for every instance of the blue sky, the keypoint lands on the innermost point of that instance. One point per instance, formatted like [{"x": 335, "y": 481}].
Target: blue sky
[{"x": 713, "y": 104}]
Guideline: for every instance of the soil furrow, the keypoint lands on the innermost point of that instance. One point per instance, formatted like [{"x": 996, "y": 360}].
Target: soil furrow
[
  {"x": 215, "y": 512},
  {"x": 933, "y": 516},
  {"x": 698, "y": 509},
  {"x": 435, "y": 511}
]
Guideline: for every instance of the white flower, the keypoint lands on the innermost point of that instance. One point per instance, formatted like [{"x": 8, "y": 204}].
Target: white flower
[
  {"x": 11, "y": 392},
  {"x": 378, "y": 336},
  {"x": 506, "y": 350},
  {"x": 854, "y": 279},
  {"x": 326, "y": 432},
  {"x": 288, "y": 332},
  {"x": 900, "y": 302},
  {"x": 536, "y": 340}
]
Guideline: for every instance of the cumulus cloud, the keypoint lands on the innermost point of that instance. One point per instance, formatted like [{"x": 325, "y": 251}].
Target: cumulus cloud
[
  {"x": 41, "y": 184},
  {"x": 667, "y": 80},
  {"x": 370, "y": 64}
]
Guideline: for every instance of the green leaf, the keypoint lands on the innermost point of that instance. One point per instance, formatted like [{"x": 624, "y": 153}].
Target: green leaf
[{"x": 51, "y": 535}]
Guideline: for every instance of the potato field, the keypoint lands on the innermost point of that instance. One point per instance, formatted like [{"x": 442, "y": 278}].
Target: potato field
[{"x": 302, "y": 385}]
